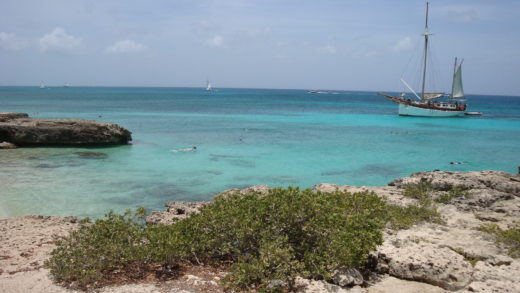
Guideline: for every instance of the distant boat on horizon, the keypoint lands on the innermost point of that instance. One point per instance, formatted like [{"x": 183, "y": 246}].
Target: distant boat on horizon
[
  {"x": 66, "y": 84},
  {"x": 428, "y": 104},
  {"x": 208, "y": 86},
  {"x": 317, "y": 92},
  {"x": 42, "y": 85}
]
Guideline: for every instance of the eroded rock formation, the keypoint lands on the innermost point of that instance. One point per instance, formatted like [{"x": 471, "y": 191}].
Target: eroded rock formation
[{"x": 19, "y": 129}]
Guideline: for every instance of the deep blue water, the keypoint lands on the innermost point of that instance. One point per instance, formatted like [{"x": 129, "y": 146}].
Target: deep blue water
[{"x": 244, "y": 137}]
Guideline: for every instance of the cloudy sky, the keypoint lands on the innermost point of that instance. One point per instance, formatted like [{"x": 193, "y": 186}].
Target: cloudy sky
[{"x": 307, "y": 44}]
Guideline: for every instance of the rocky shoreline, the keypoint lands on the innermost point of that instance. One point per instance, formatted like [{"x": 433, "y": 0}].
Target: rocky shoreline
[
  {"x": 17, "y": 129},
  {"x": 429, "y": 257}
]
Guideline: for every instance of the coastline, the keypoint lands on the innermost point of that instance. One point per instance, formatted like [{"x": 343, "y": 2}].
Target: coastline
[{"x": 424, "y": 258}]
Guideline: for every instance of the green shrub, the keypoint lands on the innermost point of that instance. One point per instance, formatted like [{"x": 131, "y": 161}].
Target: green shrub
[
  {"x": 420, "y": 191},
  {"x": 509, "y": 237},
  {"x": 82, "y": 259},
  {"x": 424, "y": 211},
  {"x": 405, "y": 217},
  {"x": 313, "y": 233},
  {"x": 267, "y": 240}
]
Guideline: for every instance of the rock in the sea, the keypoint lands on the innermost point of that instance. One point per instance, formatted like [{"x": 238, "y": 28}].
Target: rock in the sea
[
  {"x": 24, "y": 131},
  {"x": 91, "y": 155},
  {"x": 6, "y": 116},
  {"x": 7, "y": 145}
]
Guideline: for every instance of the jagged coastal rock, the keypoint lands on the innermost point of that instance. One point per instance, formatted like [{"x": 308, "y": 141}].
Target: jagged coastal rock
[
  {"x": 20, "y": 130},
  {"x": 428, "y": 257}
]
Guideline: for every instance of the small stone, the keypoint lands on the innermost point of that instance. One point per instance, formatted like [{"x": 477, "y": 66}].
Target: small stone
[{"x": 347, "y": 277}]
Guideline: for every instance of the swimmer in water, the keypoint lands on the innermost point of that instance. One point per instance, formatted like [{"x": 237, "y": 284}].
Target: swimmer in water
[{"x": 186, "y": 149}]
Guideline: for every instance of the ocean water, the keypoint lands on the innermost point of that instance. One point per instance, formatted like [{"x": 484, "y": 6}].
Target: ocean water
[{"x": 244, "y": 137}]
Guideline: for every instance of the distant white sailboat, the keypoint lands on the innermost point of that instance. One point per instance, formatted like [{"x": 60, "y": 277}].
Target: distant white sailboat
[
  {"x": 208, "y": 86},
  {"x": 66, "y": 84},
  {"x": 42, "y": 85},
  {"x": 427, "y": 104}
]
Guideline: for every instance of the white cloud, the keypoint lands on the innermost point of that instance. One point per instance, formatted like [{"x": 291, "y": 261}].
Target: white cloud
[
  {"x": 10, "y": 42},
  {"x": 327, "y": 49},
  {"x": 216, "y": 41},
  {"x": 59, "y": 41},
  {"x": 125, "y": 46},
  {"x": 403, "y": 44}
]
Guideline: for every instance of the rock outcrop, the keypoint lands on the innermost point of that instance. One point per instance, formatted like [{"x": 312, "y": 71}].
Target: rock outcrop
[
  {"x": 20, "y": 130},
  {"x": 428, "y": 257},
  {"x": 176, "y": 210}
]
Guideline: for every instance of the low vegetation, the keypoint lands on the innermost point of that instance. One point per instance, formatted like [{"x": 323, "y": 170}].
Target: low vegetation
[
  {"x": 405, "y": 217},
  {"x": 510, "y": 237},
  {"x": 420, "y": 191},
  {"x": 424, "y": 210},
  {"x": 265, "y": 241},
  {"x": 453, "y": 193},
  {"x": 423, "y": 192},
  {"x": 89, "y": 254}
]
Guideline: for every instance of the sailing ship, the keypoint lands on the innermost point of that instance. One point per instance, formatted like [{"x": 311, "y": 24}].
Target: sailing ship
[
  {"x": 208, "y": 86},
  {"x": 42, "y": 85},
  {"x": 432, "y": 104}
]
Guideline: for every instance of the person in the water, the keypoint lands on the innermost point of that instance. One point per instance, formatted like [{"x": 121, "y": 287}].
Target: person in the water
[{"x": 186, "y": 149}]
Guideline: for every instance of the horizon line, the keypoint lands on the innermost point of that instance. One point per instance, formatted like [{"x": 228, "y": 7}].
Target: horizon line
[{"x": 227, "y": 87}]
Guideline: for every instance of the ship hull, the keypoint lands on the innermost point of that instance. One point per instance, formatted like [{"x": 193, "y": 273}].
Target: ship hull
[{"x": 409, "y": 110}]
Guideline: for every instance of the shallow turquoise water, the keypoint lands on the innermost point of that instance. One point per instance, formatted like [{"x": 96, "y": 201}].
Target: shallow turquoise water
[{"x": 244, "y": 137}]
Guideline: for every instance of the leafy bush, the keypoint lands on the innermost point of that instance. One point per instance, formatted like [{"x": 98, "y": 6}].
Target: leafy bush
[
  {"x": 406, "y": 217},
  {"x": 313, "y": 233},
  {"x": 509, "y": 237},
  {"x": 83, "y": 258},
  {"x": 266, "y": 240},
  {"x": 420, "y": 191},
  {"x": 424, "y": 211}
]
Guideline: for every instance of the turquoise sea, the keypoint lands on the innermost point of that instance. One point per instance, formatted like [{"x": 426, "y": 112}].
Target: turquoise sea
[{"x": 244, "y": 137}]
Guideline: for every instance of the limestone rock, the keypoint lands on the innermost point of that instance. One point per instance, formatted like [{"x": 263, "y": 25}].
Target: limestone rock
[
  {"x": 7, "y": 145},
  {"x": 492, "y": 276},
  {"x": 61, "y": 132},
  {"x": 394, "y": 285},
  {"x": 325, "y": 188},
  {"x": 443, "y": 180},
  {"x": 176, "y": 210},
  {"x": 347, "y": 277},
  {"x": 6, "y": 116},
  {"x": 426, "y": 262},
  {"x": 313, "y": 286},
  {"x": 260, "y": 189}
]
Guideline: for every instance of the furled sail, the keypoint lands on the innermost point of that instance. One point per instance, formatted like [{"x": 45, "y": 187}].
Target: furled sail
[
  {"x": 457, "y": 91},
  {"x": 429, "y": 96}
]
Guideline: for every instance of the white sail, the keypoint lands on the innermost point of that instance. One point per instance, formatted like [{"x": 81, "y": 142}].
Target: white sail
[
  {"x": 208, "y": 86},
  {"x": 458, "y": 90}
]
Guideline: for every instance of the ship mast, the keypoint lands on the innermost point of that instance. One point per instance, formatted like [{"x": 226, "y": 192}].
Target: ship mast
[{"x": 426, "y": 35}]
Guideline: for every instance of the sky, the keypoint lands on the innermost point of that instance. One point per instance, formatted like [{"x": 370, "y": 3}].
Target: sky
[{"x": 296, "y": 44}]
